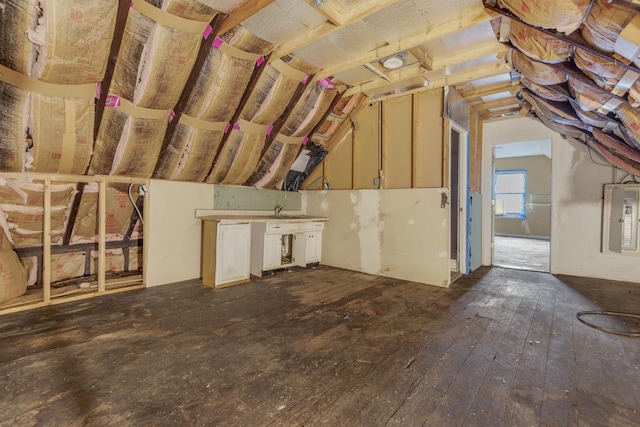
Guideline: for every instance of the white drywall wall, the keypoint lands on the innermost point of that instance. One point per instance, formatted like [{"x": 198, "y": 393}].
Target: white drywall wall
[
  {"x": 402, "y": 234},
  {"x": 172, "y": 232},
  {"x": 576, "y": 203}
]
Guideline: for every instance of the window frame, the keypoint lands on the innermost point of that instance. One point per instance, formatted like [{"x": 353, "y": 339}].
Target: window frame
[{"x": 523, "y": 172}]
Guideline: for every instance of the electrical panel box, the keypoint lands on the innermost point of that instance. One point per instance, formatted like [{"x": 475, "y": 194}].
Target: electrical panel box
[{"x": 620, "y": 219}]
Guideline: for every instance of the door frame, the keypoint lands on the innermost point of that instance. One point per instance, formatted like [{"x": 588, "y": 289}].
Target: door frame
[{"x": 463, "y": 192}]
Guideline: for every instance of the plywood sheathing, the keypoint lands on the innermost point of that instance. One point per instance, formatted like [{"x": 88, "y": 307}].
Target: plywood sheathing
[
  {"x": 214, "y": 99},
  {"x": 153, "y": 65}
]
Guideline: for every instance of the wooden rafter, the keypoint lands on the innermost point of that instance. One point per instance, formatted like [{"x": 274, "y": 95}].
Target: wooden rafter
[
  {"x": 357, "y": 13},
  {"x": 496, "y": 48},
  {"x": 422, "y": 57},
  {"x": 490, "y": 90},
  {"x": 499, "y": 103},
  {"x": 328, "y": 9},
  {"x": 118, "y": 32},
  {"x": 243, "y": 12},
  {"x": 471, "y": 19},
  {"x": 277, "y": 125},
  {"x": 498, "y": 115},
  {"x": 469, "y": 75},
  {"x": 253, "y": 80},
  {"x": 205, "y": 47},
  {"x": 397, "y": 77}
]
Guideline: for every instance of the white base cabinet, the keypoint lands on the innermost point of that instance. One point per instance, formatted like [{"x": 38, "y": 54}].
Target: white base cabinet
[
  {"x": 226, "y": 251},
  {"x": 285, "y": 244}
]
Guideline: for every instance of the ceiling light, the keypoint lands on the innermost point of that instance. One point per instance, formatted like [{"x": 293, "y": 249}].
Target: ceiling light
[{"x": 393, "y": 62}]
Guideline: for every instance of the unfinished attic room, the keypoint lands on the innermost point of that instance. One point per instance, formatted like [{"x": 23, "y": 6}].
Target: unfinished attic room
[{"x": 320, "y": 212}]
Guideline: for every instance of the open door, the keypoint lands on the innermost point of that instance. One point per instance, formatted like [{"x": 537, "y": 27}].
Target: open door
[{"x": 458, "y": 185}]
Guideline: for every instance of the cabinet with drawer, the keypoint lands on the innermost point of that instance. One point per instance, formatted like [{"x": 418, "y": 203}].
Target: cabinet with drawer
[{"x": 281, "y": 244}]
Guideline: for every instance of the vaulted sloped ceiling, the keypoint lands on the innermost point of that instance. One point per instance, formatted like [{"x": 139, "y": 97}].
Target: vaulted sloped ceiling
[
  {"x": 216, "y": 91},
  {"x": 230, "y": 91}
]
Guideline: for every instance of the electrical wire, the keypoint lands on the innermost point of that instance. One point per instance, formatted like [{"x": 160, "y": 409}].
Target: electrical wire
[
  {"x": 609, "y": 313},
  {"x": 601, "y": 164},
  {"x": 134, "y": 203}
]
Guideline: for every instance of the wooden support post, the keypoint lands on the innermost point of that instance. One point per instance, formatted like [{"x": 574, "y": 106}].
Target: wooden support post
[
  {"x": 121, "y": 22},
  {"x": 479, "y": 145},
  {"x": 415, "y": 137},
  {"x": 205, "y": 47},
  {"x": 102, "y": 231},
  {"x": 446, "y": 148},
  {"x": 253, "y": 80},
  {"x": 46, "y": 242}
]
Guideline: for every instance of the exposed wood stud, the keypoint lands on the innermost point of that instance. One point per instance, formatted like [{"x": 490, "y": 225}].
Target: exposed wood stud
[
  {"x": 46, "y": 242},
  {"x": 121, "y": 22},
  {"x": 205, "y": 48},
  {"x": 102, "y": 230},
  {"x": 446, "y": 147},
  {"x": 415, "y": 137}
]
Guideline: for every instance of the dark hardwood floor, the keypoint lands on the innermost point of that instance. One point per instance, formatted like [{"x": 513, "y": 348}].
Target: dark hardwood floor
[{"x": 327, "y": 347}]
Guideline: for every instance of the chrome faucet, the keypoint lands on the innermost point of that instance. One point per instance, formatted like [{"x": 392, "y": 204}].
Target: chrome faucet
[{"x": 277, "y": 210}]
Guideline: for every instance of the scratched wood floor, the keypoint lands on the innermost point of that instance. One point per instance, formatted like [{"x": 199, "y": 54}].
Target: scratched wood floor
[{"x": 327, "y": 347}]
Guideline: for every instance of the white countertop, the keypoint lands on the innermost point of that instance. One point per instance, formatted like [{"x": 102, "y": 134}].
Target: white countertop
[{"x": 238, "y": 219}]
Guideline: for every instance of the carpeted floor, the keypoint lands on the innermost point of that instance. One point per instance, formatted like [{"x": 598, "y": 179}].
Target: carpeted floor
[{"x": 521, "y": 253}]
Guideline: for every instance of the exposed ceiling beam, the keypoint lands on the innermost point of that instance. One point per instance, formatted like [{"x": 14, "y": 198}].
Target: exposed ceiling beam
[
  {"x": 499, "y": 103},
  {"x": 421, "y": 56},
  {"x": 469, "y": 19},
  {"x": 469, "y": 75},
  {"x": 487, "y": 116},
  {"x": 396, "y": 76},
  {"x": 328, "y": 9},
  {"x": 243, "y": 12},
  {"x": 357, "y": 13},
  {"x": 490, "y": 90},
  {"x": 496, "y": 48}
]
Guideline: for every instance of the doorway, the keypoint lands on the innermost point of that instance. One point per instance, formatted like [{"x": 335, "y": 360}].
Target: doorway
[
  {"x": 458, "y": 185},
  {"x": 521, "y": 214}
]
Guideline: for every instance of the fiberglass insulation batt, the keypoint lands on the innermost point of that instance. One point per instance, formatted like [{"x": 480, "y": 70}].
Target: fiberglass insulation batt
[
  {"x": 213, "y": 100},
  {"x": 283, "y": 151},
  {"x": 152, "y": 68},
  {"x": 242, "y": 150},
  {"x": 45, "y": 43}
]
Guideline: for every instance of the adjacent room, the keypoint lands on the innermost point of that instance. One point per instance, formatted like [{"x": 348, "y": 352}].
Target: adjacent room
[
  {"x": 522, "y": 209},
  {"x": 319, "y": 212}
]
